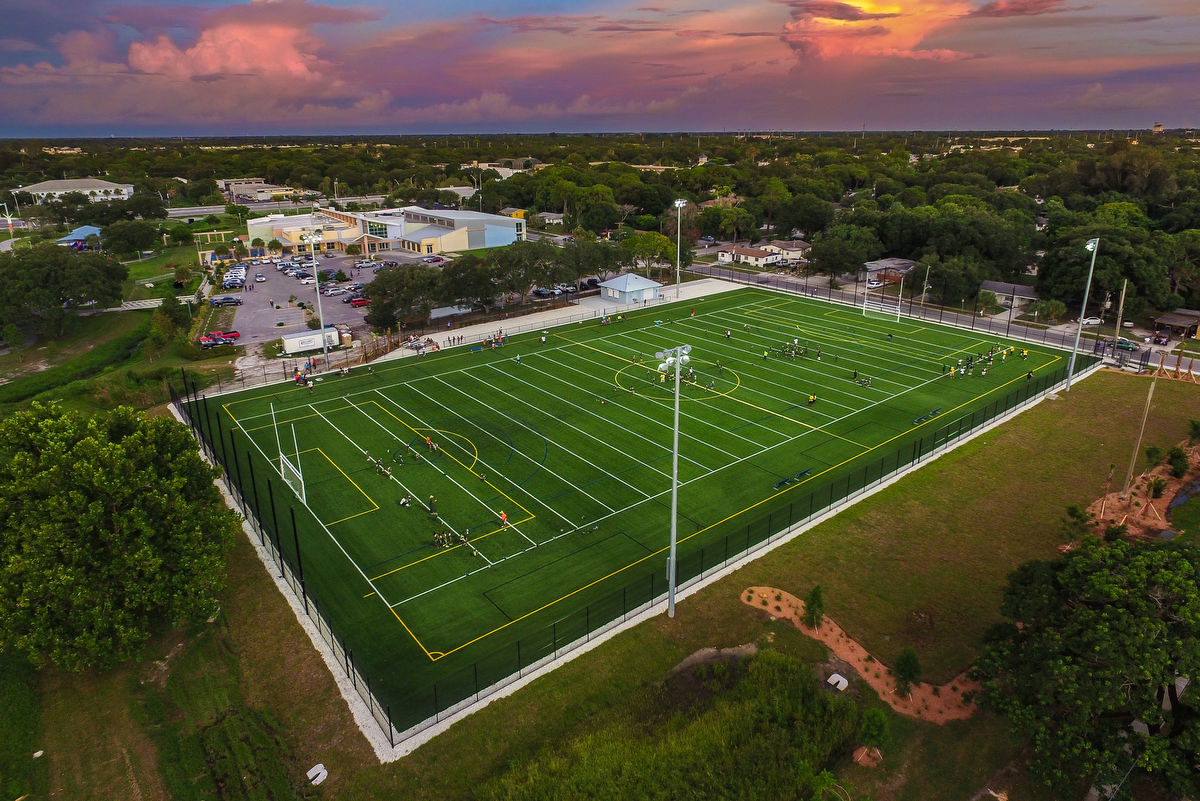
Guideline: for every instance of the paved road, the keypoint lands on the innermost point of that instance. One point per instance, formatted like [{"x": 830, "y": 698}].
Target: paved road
[{"x": 266, "y": 206}]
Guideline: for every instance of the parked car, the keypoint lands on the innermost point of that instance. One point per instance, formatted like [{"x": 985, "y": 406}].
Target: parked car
[
  {"x": 335, "y": 291},
  {"x": 309, "y": 280},
  {"x": 1162, "y": 337},
  {"x": 434, "y": 260},
  {"x": 540, "y": 293},
  {"x": 360, "y": 302},
  {"x": 1091, "y": 321},
  {"x": 594, "y": 283},
  {"x": 224, "y": 334},
  {"x": 351, "y": 297},
  {"x": 329, "y": 254},
  {"x": 1122, "y": 343},
  {"x": 226, "y": 300},
  {"x": 874, "y": 283},
  {"x": 302, "y": 274},
  {"x": 706, "y": 241},
  {"x": 259, "y": 278}
]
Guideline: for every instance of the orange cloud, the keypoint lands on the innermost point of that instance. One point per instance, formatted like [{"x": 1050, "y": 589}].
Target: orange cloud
[{"x": 830, "y": 29}]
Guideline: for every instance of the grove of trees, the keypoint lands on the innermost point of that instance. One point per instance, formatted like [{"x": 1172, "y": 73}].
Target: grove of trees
[
  {"x": 971, "y": 207},
  {"x": 112, "y": 527},
  {"x": 1097, "y": 663}
]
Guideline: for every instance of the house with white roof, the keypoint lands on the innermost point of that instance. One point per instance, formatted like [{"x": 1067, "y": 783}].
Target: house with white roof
[
  {"x": 629, "y": 288},
  {"x": 755, "y": 257},
  {"x": 94, "y": 189}
]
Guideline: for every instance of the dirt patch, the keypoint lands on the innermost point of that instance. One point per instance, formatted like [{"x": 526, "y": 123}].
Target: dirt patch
[
  {"x": 868, "y": 757},
  {"x": 709, "y": 655},
  {"x": 24, "y": 370},
  {"x": 1143, "y": 516},
  {"x": 934, "y": 703}
]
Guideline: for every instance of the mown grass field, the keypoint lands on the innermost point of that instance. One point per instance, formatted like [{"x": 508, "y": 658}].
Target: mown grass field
[{"x": 570, "y": 440}]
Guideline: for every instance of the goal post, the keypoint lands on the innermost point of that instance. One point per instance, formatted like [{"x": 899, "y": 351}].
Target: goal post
[{"x": 289, "y": 470}]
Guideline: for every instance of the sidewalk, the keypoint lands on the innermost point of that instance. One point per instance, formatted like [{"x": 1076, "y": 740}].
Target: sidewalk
[{"x": 589, "y": 308}]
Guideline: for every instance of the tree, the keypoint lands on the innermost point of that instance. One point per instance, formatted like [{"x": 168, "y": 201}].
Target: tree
[
  {"x": 353, "y": 250},
  {"x": 181, "y": 234},
  {"x": 112, "y": 527},
  {"x": 873, "y": 729},
  {"x": 649, "y": 248},
  {"x": 907, "y": 670},
  {"x": 1088, "y": 664},
  {"x": 236, "y": 210},
  {"x": 44, "y": 284},
  {"x": 814, "y": 607},
  {"x": 275, "y": 245},
  {"x": 131, "y": 236}
]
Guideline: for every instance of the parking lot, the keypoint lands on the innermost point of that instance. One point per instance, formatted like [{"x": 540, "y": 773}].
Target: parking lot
[{"x": 257, "y": 319}]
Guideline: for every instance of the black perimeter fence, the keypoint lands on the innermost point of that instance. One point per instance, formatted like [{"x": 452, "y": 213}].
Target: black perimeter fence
[{"x": 269, "y": 506}]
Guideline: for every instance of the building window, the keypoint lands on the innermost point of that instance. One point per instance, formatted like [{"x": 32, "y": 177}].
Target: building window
[{"x": 429, "y": 248}]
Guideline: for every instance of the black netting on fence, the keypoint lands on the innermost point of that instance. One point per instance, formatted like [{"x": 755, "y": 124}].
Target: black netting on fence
[{"x": 268, "y": 506}]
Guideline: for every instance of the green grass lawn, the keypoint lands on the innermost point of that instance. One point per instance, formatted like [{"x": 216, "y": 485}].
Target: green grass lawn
[{"x": 571, "y": 440}]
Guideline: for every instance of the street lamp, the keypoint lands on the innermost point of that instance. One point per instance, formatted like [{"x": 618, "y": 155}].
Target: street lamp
[
  {"x": 8, "y": 217},
  {"x": 674, "y": 358},
  {"x": 313, "y": 238},
  {"x": 679, "y": 204},
  {"x": 1094, "y": 246}
]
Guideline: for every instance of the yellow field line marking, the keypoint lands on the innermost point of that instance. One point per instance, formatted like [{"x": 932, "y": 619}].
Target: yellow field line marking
[
  {"x": 454, "y": 458},
  {"x": 370, "y": 500},
  {"x": 451, "y": 548},
  {"x": 706, "y": 528}
]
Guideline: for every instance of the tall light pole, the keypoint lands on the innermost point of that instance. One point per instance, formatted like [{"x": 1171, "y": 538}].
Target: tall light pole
[
  {"x": 8, "y": 217},
  {"x": 1094, "y": 246},
  {"x": 674, "y": 358},
  {"x": 312, "y": 238},
  {"x": 679, "y": 204}
]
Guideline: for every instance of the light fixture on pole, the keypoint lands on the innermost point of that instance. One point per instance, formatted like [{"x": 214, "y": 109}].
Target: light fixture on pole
[
  {"x": 679, "y": 204},
  {"x": 8, "y": 217},
  {"x": 313, "y": 238},
  {"x": 674, "y": 359},
  {"x": 1094, "y": 246}
]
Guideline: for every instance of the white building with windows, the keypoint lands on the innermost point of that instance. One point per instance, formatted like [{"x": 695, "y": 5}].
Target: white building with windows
[
  {"x": 412, "y": 230},
  {"x": 94, "y": 188}
]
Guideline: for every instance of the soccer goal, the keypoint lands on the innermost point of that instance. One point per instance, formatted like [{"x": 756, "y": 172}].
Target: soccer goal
[
  {"x": 878, "y": 301},
  {"x": 289, "y": 470}
]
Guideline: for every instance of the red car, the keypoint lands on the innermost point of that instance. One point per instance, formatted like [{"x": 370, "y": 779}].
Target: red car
[
  {"x": 360, "y": 302},
  {"x": 224, "y": 334}
]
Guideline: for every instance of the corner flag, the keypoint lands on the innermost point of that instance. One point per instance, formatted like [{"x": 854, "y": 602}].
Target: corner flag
[{"x": 1092, "y": 244}]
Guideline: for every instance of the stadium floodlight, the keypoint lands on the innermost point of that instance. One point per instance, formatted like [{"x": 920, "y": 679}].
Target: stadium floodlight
[
  {"x": 1094, "y": 246},
  {"x": 679, "y": 204},
  {"x": 313, "y": 238},
  {"x": 674, "y": 359}
]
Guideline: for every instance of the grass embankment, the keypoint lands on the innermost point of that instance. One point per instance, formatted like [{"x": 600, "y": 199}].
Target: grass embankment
[
  {"x": 99, "y": 363},
  {"x": 940, "y": 542}
]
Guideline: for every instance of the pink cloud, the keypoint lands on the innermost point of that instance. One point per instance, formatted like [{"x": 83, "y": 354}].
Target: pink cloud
[
  {"x": 1021, "y": 8},
  {"x": 231, "y": 48}
]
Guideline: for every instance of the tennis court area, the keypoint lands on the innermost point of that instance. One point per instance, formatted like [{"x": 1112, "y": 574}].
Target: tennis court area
[{"x": 459, "y": 515}]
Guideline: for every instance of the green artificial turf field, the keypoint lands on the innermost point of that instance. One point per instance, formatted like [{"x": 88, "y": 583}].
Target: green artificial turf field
[{"x": 549, "y": 464}]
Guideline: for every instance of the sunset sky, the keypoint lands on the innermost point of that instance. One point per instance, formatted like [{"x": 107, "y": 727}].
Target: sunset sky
[{"x": 123, "y": 67}]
